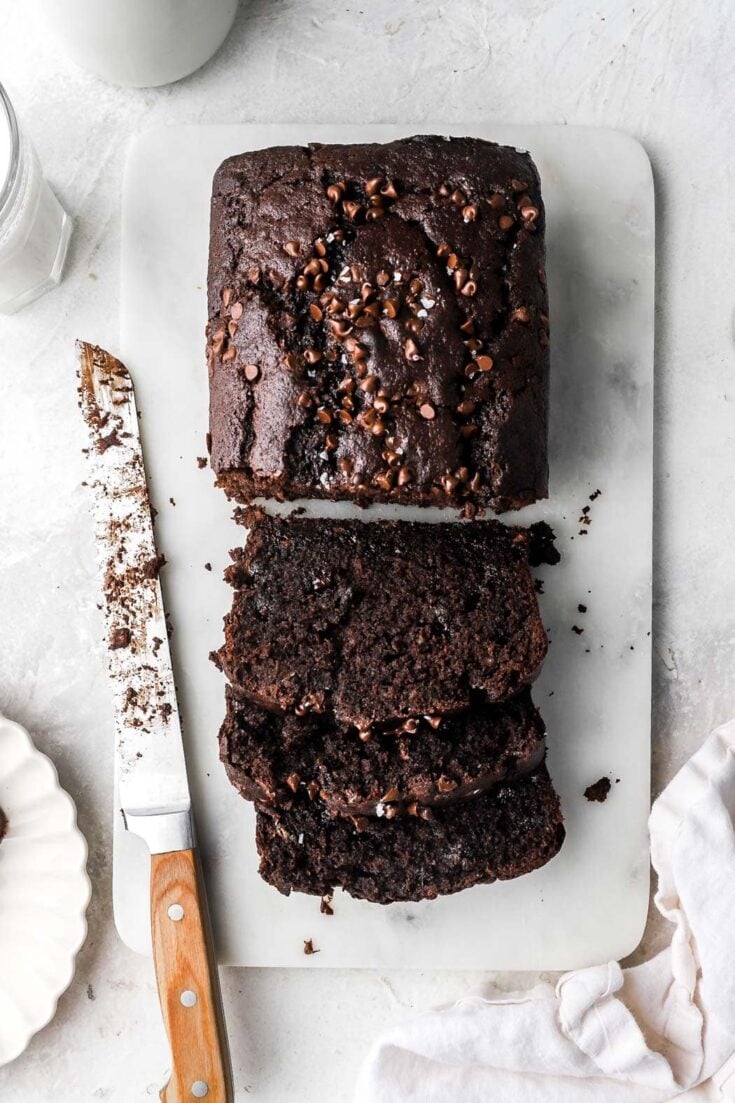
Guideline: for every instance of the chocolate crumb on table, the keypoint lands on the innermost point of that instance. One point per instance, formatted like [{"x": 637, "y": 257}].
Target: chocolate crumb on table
[
  {"x": 3, "y": 825},
  {"x": 207, "y": 566},
  {"x": 202, "y": 462},
  {"x": 325, "y": 905},
  {"x": 378, "y": 324},
  {"x": 309, "y": 947},
  {"x": 599, "y": 790},
  {"x": 576, "y": 629}
]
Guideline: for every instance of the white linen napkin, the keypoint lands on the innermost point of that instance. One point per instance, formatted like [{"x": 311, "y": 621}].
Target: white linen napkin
[{"x": 651, "y": 1033}]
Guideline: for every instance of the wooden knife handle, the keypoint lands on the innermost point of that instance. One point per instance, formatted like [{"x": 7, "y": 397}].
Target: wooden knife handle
[{"x": 188, "y": 985}]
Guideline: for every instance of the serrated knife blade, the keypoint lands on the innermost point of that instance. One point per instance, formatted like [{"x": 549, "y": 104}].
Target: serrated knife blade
[
  {"x": 150, "y": 756},
  {"x": 151, "y": 768}
]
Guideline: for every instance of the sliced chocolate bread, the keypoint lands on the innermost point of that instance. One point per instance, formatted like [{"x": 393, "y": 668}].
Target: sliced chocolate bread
[
  {"x": 426, "y": 763},
  {"x": 507, "y": 833},
  {"x": 382, "y": 621}
]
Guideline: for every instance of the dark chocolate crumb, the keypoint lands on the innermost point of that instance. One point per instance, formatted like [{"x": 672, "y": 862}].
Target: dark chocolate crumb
[
  {"x": 110, "y": 441},
  {"x": 152, "y": 568},
  {"x": 595, "y": 494},
  {"x": 599, "y": 790},
  {"x": 309, "y": 947},
  {"x": 577, "y": 629},
  {"x": 173, "y": 503},
  {"x": 201, "y": 462},
  {"x": 581, "y": 608},
  {"x": 207, "y": 566},
  {"x": 120, "y": 638},
  {"x": 90, "y": 993},
  {"x": 538, "y": 585},
  {"x": 325, "y": 905},
  {"x": 541, "y": 547}
]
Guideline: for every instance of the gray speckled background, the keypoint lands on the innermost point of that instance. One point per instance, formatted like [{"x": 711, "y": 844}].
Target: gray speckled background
[{"x": 652, "y": 70}]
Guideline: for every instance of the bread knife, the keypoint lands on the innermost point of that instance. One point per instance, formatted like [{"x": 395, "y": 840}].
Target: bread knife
[{"x": 151, "y": 769}]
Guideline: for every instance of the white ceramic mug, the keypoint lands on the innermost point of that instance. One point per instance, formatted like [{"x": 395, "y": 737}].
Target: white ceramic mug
[{"x": 139, "y": 43}]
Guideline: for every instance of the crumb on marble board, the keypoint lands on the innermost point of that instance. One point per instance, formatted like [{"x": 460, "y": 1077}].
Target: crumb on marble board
[{"x": 599, "y": 790}]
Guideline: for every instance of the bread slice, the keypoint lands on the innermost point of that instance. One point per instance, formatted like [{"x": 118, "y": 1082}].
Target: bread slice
[
  {"x": 383, "y": 621},
  {"x": 505, "y": 834}
]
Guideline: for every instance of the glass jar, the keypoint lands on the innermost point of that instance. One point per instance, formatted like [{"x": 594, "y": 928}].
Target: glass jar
[{"x": 34, "y": 227}]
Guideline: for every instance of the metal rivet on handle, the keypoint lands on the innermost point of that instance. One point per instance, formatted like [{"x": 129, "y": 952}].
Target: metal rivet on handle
[
  {"x": 199, "y": 1089},
  {"x": 176, "y": 912},
  {"x": 188, "y": 998}
]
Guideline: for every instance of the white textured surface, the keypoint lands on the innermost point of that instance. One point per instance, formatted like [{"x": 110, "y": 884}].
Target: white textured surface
[
  {"x": 578, "y": 910},
  {"x": 652, "y": 70}
]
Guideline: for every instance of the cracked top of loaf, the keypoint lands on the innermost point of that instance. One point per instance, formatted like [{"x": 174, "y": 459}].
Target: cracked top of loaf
[{"x": 378, "y": 325}]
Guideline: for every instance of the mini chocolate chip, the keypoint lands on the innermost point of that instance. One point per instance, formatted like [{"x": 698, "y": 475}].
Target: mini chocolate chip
[
  {"x": 458, "y": 197},
  {"x": 373, "y": 186},
  {"x": 443, "y": 249},
  {"x": 324, "y": 416},
  {"x": 466, "y": 408},
  {"x": 383, "y": 278},
  {"x": 529, "y": 214},
  {"x": 452, "y": 261},
  {"x": 405, "y": 475},
  {"x": 385, "y": 481},
  {"x": 382, "y": 405},
  {"x": 291, "y": 361},
  {"x": 389, "y": 190},
  {"x": 304, "y": 400},
  {"x": 293, "y": 781},
  {"x": 312, "y": 356},
  {"x": 469, "y": 213},
  {"x": 316, "y": 312},
  {"x": 346, "y": 465},
  {"x": 506, "y": 222},
  {"x": 334, "y": 192},
  {"x": 227, "y": 296},
  {"x": 469, "y": 288},
  {"x": 390, "y": 308},
  {"x": 302, "y": 283},
  {"x": 352, "y": 209},
  {"x": 228, "y": 355},
  {"x": 484, "y": 363},
  {"x": 236, "y": 311},
  {"x": 522, "y": 314},
  {"x": 252, "y": 371},
  {"x": 411, "y": 350},
  {"x": 293, "y": 248},
  {"x": 427, "y": 411},
  {"x": 449, "y": 483},
  {"x": 467, "y": 431}
]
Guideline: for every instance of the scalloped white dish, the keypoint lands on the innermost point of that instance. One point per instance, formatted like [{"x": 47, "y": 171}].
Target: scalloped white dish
[{"x": 44, "y": 890}]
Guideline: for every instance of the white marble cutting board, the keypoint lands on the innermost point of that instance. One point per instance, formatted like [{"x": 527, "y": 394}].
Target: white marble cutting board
[{"x": 590, "y": 903}]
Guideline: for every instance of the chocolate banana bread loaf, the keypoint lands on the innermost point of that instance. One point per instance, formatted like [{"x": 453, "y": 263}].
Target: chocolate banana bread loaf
[
  {"x": 507, "y": 833},
  {"x": 378, "y": 324},
  {"x": 380, "y": 622},
  {"x": 426, "y": 763}
]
